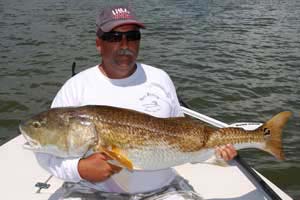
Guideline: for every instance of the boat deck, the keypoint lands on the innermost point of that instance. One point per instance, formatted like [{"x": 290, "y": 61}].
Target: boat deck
[{"x": 20, "y": 173}]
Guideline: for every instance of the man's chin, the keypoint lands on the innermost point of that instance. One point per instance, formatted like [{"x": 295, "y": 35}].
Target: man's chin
[
  {"x": 127, "y": 68},
  {"x": 126, "y": 65}
]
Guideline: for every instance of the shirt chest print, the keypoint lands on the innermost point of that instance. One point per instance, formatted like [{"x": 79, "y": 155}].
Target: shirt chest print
[{"x": 154, "y": 98}]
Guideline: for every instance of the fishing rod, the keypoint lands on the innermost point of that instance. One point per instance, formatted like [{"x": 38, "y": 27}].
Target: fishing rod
[
  {"x": 73, "y": 69},
  {"x": 255, "y": 178}
]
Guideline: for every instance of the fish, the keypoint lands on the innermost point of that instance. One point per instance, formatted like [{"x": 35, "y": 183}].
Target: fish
[{"x": 139, "y": 141}]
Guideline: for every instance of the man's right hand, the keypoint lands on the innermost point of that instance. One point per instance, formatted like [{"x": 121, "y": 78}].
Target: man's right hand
[{"x": 95, "y": 168}]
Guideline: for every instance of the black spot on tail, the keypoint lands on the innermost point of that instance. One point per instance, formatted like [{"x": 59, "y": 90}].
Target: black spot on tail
[{"x": 267, "y": 132}]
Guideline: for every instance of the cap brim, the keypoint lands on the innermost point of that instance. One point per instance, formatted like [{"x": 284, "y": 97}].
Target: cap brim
[{"x": 110, "y": 26}]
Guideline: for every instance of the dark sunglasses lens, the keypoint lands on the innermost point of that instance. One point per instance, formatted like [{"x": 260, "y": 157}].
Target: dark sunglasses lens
[
  {"x": 133, "y": 35},
  {"x": 117, "y": 36},
  {"x": 112, "y": 36}
]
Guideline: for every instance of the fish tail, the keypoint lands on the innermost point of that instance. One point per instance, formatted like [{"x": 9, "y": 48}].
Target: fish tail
[{"x": 272, "y": 131}]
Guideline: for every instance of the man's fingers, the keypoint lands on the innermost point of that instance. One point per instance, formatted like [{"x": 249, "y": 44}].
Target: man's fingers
[
  {"x": 226, "y": 152},
  {"x": 106, "y": 156},
  {"x": 115, "y": 168}
]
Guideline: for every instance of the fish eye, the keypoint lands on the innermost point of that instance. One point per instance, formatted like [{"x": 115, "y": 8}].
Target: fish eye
[{"x": 36, "y": 124}]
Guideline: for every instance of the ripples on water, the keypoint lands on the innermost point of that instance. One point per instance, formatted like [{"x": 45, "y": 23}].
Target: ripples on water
[{"x": 232, "y": 60}]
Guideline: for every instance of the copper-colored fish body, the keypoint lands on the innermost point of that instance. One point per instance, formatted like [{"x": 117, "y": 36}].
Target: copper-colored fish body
[{"x": 140, "y": 141}]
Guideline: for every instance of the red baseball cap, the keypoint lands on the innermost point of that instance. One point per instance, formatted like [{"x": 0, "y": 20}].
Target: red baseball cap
[{"x": 114, "y": 16}]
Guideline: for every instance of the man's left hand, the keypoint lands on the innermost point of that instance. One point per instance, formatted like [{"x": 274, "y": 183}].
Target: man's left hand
[{"x": 227, "y": 152}]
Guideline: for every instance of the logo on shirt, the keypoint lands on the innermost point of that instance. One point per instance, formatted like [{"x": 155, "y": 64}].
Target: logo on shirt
[
  {"x": 150, "y": 102},
  {"x": 156, "y": 99}
]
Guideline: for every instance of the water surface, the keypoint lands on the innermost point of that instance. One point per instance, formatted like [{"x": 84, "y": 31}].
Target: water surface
[{"x": 232, "y": 60}]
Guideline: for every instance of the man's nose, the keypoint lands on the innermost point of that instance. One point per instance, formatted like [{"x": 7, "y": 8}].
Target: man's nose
[{"x": 124, "y": 42}]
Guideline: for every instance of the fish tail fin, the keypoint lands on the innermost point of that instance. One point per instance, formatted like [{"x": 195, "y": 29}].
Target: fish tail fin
[{"x": 272, "y": 130}]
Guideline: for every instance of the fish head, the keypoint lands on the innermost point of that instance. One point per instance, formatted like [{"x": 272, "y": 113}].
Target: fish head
[{"x": 60, "y": 132}]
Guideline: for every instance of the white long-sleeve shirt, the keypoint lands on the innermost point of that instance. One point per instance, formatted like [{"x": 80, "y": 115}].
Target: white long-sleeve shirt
[{"x": 148, "y": 89}]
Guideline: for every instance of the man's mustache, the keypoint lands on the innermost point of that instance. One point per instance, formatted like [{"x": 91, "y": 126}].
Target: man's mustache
[{"x": 125, "y": 52}]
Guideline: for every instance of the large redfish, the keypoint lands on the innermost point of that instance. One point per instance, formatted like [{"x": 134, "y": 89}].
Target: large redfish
[{"x": 139, "y": 141}]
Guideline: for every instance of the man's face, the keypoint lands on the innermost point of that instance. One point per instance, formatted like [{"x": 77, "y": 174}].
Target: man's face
[{"x": 119, "y": 57}]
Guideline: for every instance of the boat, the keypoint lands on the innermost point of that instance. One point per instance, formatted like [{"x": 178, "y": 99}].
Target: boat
[{"x": 23, "y": 178}]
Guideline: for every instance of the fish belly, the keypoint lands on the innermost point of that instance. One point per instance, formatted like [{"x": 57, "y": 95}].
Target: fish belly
[{"x": 161, "y": 157}]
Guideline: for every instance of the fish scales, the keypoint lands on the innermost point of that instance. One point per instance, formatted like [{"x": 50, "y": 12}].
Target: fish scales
[
  {"x": 234, "y": 135},
  {"x": 140, "y": 141},
  {"x": 136, "y": 128},
  {"x": 140, "y": 135}
]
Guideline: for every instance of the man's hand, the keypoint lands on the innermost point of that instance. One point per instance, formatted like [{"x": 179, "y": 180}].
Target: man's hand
[
  {"x": 226, "y": 152},
  {"x": 95, "y": 168}
]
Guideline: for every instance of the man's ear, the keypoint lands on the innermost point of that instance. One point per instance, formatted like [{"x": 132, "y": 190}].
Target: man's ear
[{"x": 98, "y": 44}]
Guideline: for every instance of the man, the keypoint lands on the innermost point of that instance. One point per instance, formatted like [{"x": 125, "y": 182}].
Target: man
[{"x": 121, "y": 82}]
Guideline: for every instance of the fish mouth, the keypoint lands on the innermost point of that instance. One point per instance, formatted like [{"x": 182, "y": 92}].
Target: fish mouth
[{"x": 31, "y": 143}]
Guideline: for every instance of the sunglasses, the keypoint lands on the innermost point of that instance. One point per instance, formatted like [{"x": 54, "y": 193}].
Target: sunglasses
[{"x": 115, "y": 36}]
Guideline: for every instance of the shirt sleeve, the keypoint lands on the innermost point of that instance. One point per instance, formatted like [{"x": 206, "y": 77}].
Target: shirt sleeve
[
  {"x": 63, "y": 168},
  {"x": 177, "y": 111},
  {"x": 67, "y": 95},
  {"x": 176, "y": 108}
]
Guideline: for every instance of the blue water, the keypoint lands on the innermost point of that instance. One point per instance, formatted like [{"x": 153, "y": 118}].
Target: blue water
[{"x": 234, "y": 60}]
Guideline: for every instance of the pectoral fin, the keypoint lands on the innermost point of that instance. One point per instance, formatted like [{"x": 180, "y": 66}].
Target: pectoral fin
[{"x": 116, "y": 154}]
